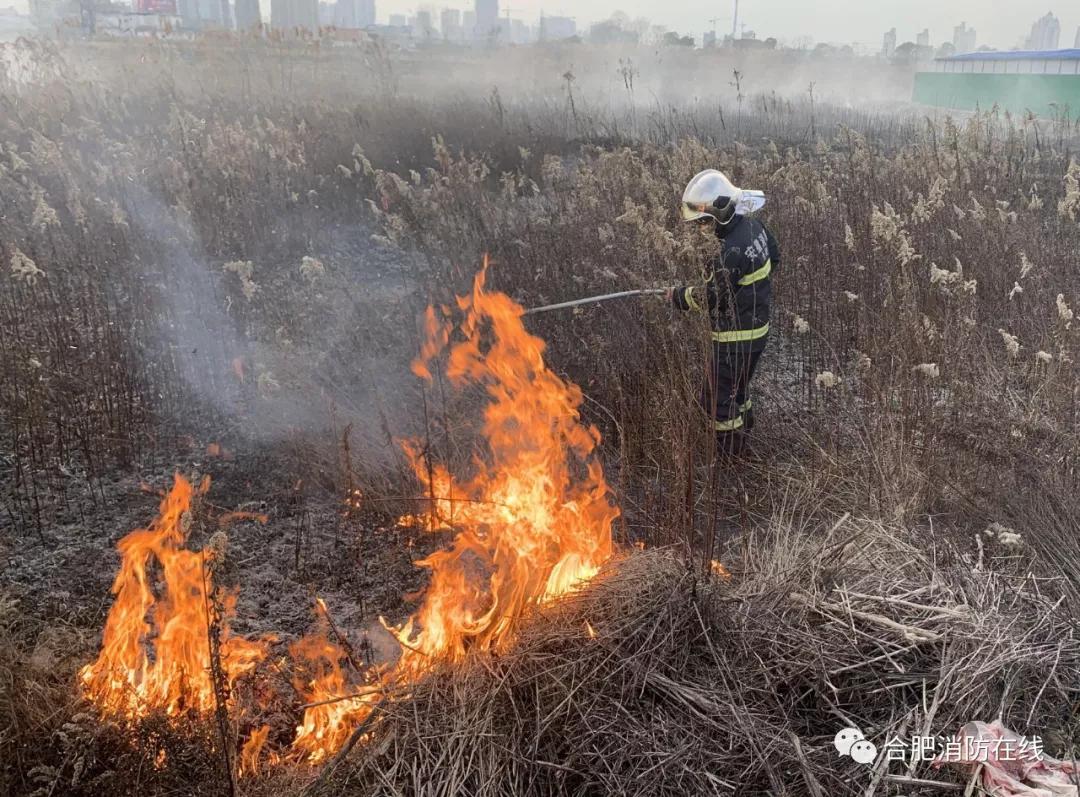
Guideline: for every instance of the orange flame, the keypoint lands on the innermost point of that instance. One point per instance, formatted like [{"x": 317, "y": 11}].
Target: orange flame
[
  {"x": 124, "y": 679},
  {"x": 328, "y": 720},
  {"x": 251, "y": 752},
  {"x": 231, "y": 517},
  {"x": 533, "y": 522},
  {"x": 718, "y": 570},
  {"x": 354, "y": 500}
]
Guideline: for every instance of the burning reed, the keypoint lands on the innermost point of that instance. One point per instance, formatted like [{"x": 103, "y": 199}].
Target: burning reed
[
  {"x": 536, "y": 516},
  {"x": 175, "y": 623},
  {"x": 533, "y": 523},
  {"x": 914, "y": 281},
  {"x": 655, "y": 680}
]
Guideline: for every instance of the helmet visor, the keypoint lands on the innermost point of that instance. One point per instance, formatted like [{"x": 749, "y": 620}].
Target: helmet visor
[
  {"x": 692, "y": 211},
  {"x": 695, "y": 211},
  {"x": 750, "y": 202}
]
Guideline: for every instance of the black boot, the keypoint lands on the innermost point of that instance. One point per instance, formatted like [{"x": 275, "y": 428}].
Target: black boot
[
  {"x": 730, "y": 444},
  {"x": 748, "y": 420}
]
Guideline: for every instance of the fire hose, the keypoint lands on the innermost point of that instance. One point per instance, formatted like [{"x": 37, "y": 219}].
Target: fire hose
[{"x": 591, "y": 299}]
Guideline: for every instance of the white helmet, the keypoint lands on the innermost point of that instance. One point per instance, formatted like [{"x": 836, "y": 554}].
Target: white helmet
[{"x": 711, "y": 192}]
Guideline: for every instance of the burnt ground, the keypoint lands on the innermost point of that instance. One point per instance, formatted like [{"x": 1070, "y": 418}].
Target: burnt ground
[
  {"x": 59, "y": 566},
  {"x": 344, "y": 366},
  {"x": 363, "y": 567}
]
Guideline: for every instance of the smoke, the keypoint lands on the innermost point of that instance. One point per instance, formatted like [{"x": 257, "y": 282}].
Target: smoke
[
  {"x": 281, "y": 349},
  {"x": 199, "y": 335},
  {"x": 618, "y": 79},
  {"x": 279, "y": 352}
]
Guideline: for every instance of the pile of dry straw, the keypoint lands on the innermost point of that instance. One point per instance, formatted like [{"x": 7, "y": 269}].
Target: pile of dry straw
[{"x": 658, "y": 680}]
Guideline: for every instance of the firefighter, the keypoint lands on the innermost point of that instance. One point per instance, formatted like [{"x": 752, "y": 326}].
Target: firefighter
[{"x": 738, "y": 295}]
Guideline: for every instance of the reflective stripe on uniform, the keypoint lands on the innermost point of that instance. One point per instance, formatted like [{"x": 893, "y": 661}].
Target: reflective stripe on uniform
[
  {"x": 691, "y": 302},
  {"x": 746, "y": 406},
  {"x": 757, "y": 276},
  {"x": 729, "y": 426},
  {"x": 740, "y": 335}
]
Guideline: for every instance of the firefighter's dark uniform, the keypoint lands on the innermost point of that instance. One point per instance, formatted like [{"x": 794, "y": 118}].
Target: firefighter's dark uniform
[{"x": 738, "y": 291}]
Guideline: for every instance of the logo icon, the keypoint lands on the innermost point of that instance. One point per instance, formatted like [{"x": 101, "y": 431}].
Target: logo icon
[{"x": 852, "y": 742}]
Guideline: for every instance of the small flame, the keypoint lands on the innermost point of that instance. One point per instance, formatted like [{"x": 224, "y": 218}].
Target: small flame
[
  {"x": 251, "y": 752},
  {"x": 125, "y": 679},
  {"x": 218, "y": 450},
  {"x": 718, "y": 570},
  {"x": 354, "y": 499},
  {"x": 232, "y": 517},
  {"x": 332, "y": 710}
]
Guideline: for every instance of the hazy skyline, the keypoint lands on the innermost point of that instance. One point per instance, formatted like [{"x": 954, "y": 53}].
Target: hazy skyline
[{"x": 998, "y": 25}]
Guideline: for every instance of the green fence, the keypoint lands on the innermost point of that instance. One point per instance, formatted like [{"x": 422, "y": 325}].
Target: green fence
[{"x": 1045, "y": 95}]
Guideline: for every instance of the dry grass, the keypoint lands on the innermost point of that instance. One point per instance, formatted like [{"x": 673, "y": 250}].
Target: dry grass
[
  {"x": 930, "y": 266},
  {"x": 698, "y": 686},
  {"x": 51, "y": 742}
]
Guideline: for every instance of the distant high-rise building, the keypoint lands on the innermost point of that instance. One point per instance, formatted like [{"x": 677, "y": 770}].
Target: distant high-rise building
[
  {"x": 487, "y": 19},
  {"x": 204, "y": 14},
  {"x": 1045, "y": 33},
  {"x": 1076, "y": 41},
  {"x": 189, "y": 13},
  {"x": 424, "y": 27},
  {"x": 326, "y": 15},
  {"x": 280, "y": 14},
  {"x": 923, "y": 39},
  {"x": 450, "y": 25},
  {"x": 556, "y": 28},
  {"x": 248, "y": 14},
  {"x": 468, "y": 24},
  {"x": 45, "y": 14},
  {"x": 611, "y": 32},
  {"x": 307, "y": 13},
  {"x": 294, "y": 14},
  {"x": 963, "y": 38},
  {"x": 519, "y": 32},
  {"x": 888, "y": 48},
  {"x": 398, "y": 20},
  {"x": 354, "y": 14}
]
